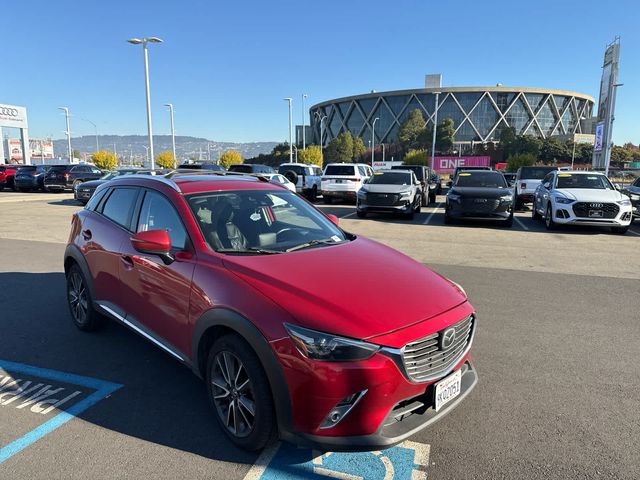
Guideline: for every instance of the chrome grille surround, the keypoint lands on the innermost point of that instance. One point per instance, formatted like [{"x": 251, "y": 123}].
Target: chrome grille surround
[{"x": 425, "y": 360}]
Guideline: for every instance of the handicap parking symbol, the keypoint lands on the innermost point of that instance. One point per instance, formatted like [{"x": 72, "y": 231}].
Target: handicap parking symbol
[{"x": 407, "y": 461}]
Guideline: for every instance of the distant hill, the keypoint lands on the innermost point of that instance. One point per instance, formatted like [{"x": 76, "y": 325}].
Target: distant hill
[{"x": 128, "y": 146}]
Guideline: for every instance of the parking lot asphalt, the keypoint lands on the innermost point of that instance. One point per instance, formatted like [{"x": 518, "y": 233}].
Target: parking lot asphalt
[{"x": 556, "y": 353}]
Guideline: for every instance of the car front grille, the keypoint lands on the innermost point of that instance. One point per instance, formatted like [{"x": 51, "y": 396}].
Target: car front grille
[
  {"x": 582, "y": 209},
  {"x": 428, "y": 358},
  {"x": 480, "y": 205},
  {"x": 382, "y": 198}
]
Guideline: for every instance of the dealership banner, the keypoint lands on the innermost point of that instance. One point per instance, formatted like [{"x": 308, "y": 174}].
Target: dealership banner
[
  {"x": 449, "y": 164},
  {"x": 13, "y": 116},
  {"x": 599, "y": 137}
]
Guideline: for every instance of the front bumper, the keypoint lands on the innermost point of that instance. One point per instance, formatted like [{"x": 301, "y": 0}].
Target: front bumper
[
  {"x": 502, "y": 211},
  {"x": 57, "y": 186},
  {"x": 26, "y": 183},
  {"x": 400, "y": 207},
  {"x": 82, "y": 195},
  {"x": 563, "y": 214}
]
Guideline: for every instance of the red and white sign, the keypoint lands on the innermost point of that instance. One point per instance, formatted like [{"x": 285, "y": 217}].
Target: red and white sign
[
  {"x": 42, "y": 149},
  {"x": 449, "y": 164}
]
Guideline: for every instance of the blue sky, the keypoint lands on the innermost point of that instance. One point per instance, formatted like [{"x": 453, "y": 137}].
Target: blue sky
[{"x": 227, "y": 65}]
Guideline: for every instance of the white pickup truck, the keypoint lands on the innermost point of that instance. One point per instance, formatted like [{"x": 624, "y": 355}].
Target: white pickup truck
[{"x": 305, "y": 177}]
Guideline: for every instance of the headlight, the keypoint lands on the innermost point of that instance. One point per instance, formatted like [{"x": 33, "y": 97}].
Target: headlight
[
  {"x": 506, "y": 198},
  {"x": 362, "y": 193},
  {"x": 564, "y": 200},
  {"x": 405, "y": 195},
  {"x": 624, "y": 203},
  {"x": 453, "y": 197},
  {"x": 460, "y": 288},
  {"x": 327, "y": 347}
]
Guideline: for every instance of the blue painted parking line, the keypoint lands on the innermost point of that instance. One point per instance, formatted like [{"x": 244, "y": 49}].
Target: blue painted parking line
[
  {"x": 407, "y": 461},
  {"x": 102, "y": 389}
]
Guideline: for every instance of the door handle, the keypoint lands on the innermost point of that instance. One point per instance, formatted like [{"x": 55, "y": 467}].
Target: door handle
[
  {"x": 127, "y": 261},
  {"x": 86, "y": 234}
]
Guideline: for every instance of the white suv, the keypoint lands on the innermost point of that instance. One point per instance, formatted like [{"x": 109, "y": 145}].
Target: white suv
[
  {"x": 581, "y": 198},
  {"x": 343, "y": 180},
  {"x": 306, "y": 178}
]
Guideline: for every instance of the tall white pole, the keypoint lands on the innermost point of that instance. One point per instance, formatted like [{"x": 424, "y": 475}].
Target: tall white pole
[
  {"x": 382, "y": 144},
  {"x": 290, "y": 100},
  {"x": 373, "y": 139},
  {"x": 609, "y": 129},
  {"x": 147, "y": 152},
  {"x": 173, "y": 135},
  {"x": 146, "y": 83},
  {"x": 435, "y": 128},
  {"x": 304, "y": 135},
  {"x": 68, "y": 132},
  {"x": 115, "y": 152}
]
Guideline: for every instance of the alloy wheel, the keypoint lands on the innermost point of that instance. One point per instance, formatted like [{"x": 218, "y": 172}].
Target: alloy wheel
[
  {"x": 78, "y": 300},
  {"x": 233, "y": 394}
]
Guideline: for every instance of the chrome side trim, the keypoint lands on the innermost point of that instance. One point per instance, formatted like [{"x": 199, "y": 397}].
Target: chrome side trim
[
  {"x": 141, "y": 332},
  {"x": 397, "y": 355}
]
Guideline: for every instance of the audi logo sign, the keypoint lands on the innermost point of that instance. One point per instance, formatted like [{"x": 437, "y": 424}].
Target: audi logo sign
[
  {"x": 596, "y": 205},
  {"x": 13, "y": 116}
]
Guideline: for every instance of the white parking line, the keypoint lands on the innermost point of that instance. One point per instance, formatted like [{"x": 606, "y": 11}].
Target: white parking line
[
  {"x": 520, "y": 223},
  {"x": 634, "y": 232},
  {"x": 348, "y": 215},
  {"x": 426, "y": 222}
]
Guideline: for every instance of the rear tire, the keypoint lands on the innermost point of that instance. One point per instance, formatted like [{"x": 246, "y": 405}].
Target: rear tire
[
  {"x": 361, "y": 214},
  {"x": 534, "y": 212},
  {"x": 448, "y": 220},
  {"x": 80, "y": 302},
  {"x": 314, "y": 194},
  {"x": 425, "y": 200},
  {"x": 509, "y": 222},
  {"x": 239, "y": 393},
  {"x": 432, "y": 198}
]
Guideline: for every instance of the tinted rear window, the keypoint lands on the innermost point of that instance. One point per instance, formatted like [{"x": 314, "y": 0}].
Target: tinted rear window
[
  {"x": 60, "y": 168},
  {"x": 415, "y": 169},
  {"x": 241, "y": 168},
  {"x": 30, "y": 168},
  {"x": 340, "y": 170},
  {"x": 535, "y": 173}
]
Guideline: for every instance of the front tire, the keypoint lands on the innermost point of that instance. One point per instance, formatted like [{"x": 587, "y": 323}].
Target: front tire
[
  {"x": 83, "y": 314},
  {"x": 327, "y": 199},
  {"x": 548, "y": 218},
  {"x": 239, "y": 393},
  {"x": 534, "y": 211}
]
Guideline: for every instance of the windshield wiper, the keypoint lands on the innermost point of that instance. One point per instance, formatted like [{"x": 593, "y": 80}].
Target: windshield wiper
[
  {"x": 313, "y": 243},
  {"x": 248, "y": 251}
]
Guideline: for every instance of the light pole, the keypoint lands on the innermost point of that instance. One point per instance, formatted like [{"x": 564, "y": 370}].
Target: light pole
[
  {"x": 296, "y": 147},
  {"x": 95, "y": 128},
  {"x": 435, "y": 128},
  {"x": 382, "y": 145},
  {"x": 144, "y": 42},
  {"x": 147, "y": 153},
  {"x": 322, "y": 119},
  {"x": 373, "y": 139},
  {"x": 115, "y": 152},
  {"x": 68, "y": 132},
  {"x": 173, "y": 134},
  {"x": 290, "y": 100},
  {"x": 304, "y": 135},
  {"x": 607, "y": 154}
]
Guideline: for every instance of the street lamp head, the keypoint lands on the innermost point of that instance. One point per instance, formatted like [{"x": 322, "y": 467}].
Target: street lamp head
[
  {"x": 287, "y": 99},
  {"x": 134, "y": 41},
  {"x": 154, "y": 40},
  {"x": 170, "y": 105}
]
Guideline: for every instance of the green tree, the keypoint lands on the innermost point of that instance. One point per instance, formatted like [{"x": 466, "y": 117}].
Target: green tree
[
  {"x": 331, "y": 151},
  {"x": 358, "y": 148},
  {"x": 230, "y": 157},
  {"x": 553, "y": 151},
  {"x": 417, "y": 157},
  {"x": 165, "y": 159},
  {"x": 520, "y": 160},
  {"x": 343, "y": 147},
  {"x": 444, "y": 136},
  {"x": 411, "y": 129},
  {"x": 311, "y": 155},
  {"x": 507, "y": 141},
  {"x": 104, "y": 160},
  {"x": 621, "y": 154}
]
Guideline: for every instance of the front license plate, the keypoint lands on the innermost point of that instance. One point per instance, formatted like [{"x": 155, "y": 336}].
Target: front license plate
[
  {"x": 595, "y": 213},
  {"x": 448, "y": 389}
]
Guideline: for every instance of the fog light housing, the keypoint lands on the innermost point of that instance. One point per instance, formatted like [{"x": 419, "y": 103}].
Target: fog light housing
[{"x": 341, "y": 410}]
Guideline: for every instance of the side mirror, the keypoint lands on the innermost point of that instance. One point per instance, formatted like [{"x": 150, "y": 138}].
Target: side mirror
[
  {"x": 154, "y": 242},
  {"x": 449, "y": 183},
  {"x": 546, "y": 185},
  {"x": 333, "y": 219},
  {"x": 618, "y": 187}
]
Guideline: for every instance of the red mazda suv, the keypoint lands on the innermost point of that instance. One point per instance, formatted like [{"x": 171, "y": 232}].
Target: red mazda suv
[{"x": 301, "y": 330}]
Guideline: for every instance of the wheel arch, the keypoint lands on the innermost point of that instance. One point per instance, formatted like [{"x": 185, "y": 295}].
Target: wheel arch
[
  {"x": 220, "y": 321},
  {"x": 73, "y": 256}
]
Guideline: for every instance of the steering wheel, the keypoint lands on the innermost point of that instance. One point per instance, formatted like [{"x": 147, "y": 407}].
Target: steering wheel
[{"x": 291, "y": 230}]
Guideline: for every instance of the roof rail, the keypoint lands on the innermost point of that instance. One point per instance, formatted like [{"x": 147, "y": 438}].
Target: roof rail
[{"x": 157, "y": 178}]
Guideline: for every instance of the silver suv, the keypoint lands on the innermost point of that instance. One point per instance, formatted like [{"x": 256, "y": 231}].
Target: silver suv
[{"x": 395, "y": 191}]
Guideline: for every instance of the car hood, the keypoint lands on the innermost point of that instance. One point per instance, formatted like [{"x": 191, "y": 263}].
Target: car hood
[
  {"x": 481, "y": 192},
  {"x": 358, "y": 289},
  {"x": 386, "y": 188},
  {"x": 591, "y": 194}
]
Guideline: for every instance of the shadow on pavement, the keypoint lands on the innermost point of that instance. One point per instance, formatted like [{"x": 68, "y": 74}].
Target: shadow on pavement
[
  {"x": 67, "y": 201},
  {"x": 160, "y": 401}
]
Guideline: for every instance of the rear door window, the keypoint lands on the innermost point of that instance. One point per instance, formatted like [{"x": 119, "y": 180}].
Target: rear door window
[
  {"x": 119, "y": 206},
  {"x": 157, "y": 213},
  {"x": 340, "y": 170}
]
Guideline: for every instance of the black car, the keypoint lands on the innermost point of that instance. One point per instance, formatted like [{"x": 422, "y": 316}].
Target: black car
[
  {"x": 437, "y": 180},
  {"x": 31, "y": 177},
  {"x": 84, "y": 190},
  {"x": 214, "y": 167},
  {"x": 480, "y": 195},
  {"x": 423, "y": 174},
  {"x": 251, "y": 168},
  {"x": 633, "y": 192},
  {"x": 66, "y": 177},
  {"x": 454, "y": 176},
  {"x": 510, "y": 178}
]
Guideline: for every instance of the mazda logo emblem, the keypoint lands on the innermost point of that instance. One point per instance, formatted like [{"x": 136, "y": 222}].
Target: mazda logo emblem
[
  {"x": 9, "y": 112},
  {"x": 596, "y": 205},
  {"x": 448, "y": 337}
]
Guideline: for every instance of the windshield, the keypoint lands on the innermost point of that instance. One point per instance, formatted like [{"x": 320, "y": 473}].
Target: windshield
[
  {"x": 481, "y": 179},
  {"x": 110, "y": 175},
  {"x": 27, "y": 169},
  {"x": 597, "y": 182},
  {"x": 535, "y": 173},
  {"x": 390, "y": 178},
  {"x": 340, "y": 170},
  {"x": 415, "y": 169},
  {"x": 241, "y": 168},
  {"x": 260, "y": 221}
]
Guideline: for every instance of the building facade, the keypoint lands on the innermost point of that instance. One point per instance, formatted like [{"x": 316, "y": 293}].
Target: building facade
[{"x": 479, "y": 114}]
